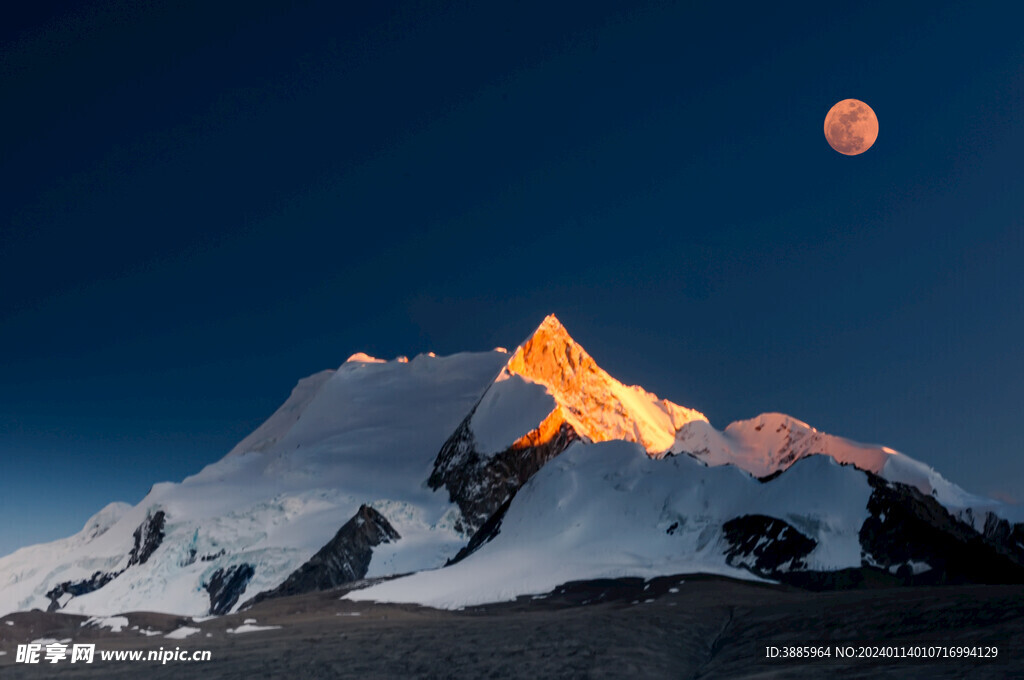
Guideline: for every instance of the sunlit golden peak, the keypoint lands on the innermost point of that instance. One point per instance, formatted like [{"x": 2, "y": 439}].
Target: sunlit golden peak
[
  {"x": 597, "y": 405},
  {"x": 363, "y": 358}
]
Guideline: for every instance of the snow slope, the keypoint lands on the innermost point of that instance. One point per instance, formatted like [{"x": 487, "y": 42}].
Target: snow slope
[
  {"x": 511, "y": 407},
  {"x": 607, "y": 510},
  {"x": 277, "y": 425}
]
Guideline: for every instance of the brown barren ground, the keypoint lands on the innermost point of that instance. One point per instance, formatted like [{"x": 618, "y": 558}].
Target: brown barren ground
[{"x": 673, "y": 627}]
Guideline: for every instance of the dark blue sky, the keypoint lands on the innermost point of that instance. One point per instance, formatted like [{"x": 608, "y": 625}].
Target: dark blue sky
[{"x": 201, "y": 205}]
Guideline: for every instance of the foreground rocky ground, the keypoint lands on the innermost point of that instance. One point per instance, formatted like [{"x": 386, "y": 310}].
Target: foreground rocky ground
[{"x": 675, "y": 627}]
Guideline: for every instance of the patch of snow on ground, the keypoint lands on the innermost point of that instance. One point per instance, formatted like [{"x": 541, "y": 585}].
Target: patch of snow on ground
[
  {"x": 181, "y": 633},
  {"x": 115, "y": 623},
  {"x": 249, "y": 628}
]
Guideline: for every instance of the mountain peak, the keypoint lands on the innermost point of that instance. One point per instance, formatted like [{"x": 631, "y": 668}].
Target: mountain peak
[
  {"x": 551, "y": 357},
  {"x": 551, "y": 324},
  {"x": 597, "y": 405}
]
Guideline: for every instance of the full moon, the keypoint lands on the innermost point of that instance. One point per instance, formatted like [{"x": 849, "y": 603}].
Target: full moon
[{"x": 851, "y": 127}]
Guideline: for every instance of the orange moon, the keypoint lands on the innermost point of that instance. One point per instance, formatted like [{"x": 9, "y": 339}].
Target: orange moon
[{"x": 851, "y": 127}]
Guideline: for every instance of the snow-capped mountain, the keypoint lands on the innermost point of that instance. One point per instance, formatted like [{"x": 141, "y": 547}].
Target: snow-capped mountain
[{"x": 519, "y": 472}]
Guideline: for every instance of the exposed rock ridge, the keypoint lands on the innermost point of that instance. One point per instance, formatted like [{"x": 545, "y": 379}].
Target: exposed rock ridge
[
  {"x": 227, "y": 585},
  {"x": 148, "y": 537},
  {"x": 913, "y": 536},
  {"x": 909, "y": 538},
  {"x": 60, "y": 594},
  {"x": 998, "y": 531},
  {"x": 344, "y": 559},
  {"x": 485, "y": 534},
  {"x": 479, "y": 484},
  {"x": 766, "y": 545}
]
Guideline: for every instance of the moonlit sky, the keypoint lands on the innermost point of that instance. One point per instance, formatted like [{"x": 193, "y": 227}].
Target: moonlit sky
[{"x": 201, "y": 205}]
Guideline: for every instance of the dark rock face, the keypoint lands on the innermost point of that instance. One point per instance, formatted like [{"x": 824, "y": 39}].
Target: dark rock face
[
  {"x": 908, "y": 539},
  {"x": 480, "y": 484},
  {"x": 769, "y": 477},
  {"x": 344, "y": 559},
  {"x": 485, "y": 534},
  {"x": 227, "y": 585},
  {"x": 148, "y": 537},
  {"x": 1006, "y": 536},
  {"x": 75, "y": 588},
  {"x": 907, "y": 526},
  {"x": 766, "y": 545}
]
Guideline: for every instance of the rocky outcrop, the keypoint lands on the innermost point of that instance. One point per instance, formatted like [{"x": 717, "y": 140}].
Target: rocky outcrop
[
  {"x": 344, "y": 559},
  {"x": 61, "y": 594},
  {"x": 913, "y": 536},
  {"x": 765, "y": 545},
  {"x": 485, "y": 534},
  {"x": 909, "y": 538},
  {"x": 148, "y": 537},
  {"x": 480, "y": 484},
  {"x": 1004, "y": 535},
  {"x": 227, "y": 585}
]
